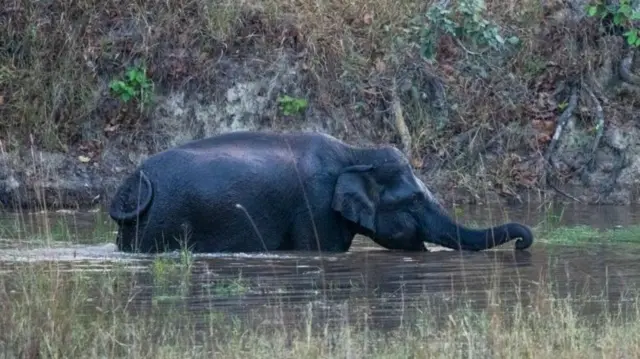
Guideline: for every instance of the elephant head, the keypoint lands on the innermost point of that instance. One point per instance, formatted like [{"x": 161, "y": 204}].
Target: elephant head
[{"x": 389, "y": 204}]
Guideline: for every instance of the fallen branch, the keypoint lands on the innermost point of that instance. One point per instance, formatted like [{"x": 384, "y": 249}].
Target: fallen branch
[
  {"x": 563, "y": 192},
  {"x": 625, "y": 69}
]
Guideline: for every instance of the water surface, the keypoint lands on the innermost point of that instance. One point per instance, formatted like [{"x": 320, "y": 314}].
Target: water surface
[{"x": 368, "y": 283}]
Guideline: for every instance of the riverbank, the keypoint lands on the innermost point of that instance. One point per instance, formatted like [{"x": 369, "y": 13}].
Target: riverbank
[{"x": 477, "y": 113}]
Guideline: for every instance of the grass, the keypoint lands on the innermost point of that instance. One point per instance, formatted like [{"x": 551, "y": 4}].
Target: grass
[
  {"x": 52, "y": 311},
  {"x": 58, "y": 61},
  {"x": 58, "y": 228},
  {"x": 551, "y": 230},
  {"x": 586, "y": 234},
  {"x": 175, "y": 306}
]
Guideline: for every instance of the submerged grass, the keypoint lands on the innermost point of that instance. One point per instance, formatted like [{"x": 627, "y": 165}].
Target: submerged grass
[{"x": 53, "y": 228}]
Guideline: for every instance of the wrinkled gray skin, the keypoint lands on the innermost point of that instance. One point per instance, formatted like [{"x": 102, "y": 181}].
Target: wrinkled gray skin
[{"x": 243, "y": 192}]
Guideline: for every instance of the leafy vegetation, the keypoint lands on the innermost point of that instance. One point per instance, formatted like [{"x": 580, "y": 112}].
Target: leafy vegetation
[
  {"x": 134, "y": 86},
  {"x": 621, "y": 14},
  {"x": 465, "y": 23},
  {"x": 291, "y": 106}
]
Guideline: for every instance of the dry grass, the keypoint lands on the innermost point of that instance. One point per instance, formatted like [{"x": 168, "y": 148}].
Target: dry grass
[
  {"x": 51, "y": 311},
  {"x": 58, "y": 58},
  {"x": 120, "y": 310}
]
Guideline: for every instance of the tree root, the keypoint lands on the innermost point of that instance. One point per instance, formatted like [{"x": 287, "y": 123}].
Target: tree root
[
  {"x": 562, "y": 122},
  {"x": 400, "y": 123},
  {"x": 625, "y": 69},
  {"x": 599, "y": 128}
]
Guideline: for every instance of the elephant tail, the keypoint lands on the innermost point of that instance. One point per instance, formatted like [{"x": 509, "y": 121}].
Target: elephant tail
[
  {"x": 455, "y": 236},
  {"x": 132, "y": 199}
]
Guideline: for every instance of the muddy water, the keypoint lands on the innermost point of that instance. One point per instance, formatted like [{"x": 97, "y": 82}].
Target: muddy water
[{"x": 368, "y": 283}]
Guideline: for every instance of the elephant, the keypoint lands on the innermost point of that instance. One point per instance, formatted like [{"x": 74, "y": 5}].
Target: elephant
[{"x": 257, "y": 191}]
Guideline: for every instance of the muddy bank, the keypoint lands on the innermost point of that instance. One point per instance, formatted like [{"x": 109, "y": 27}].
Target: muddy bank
[
  {"x": 85, "y": 177},
  {"x": 523, "y": 122},
  {"x": 87, "y": 173}
]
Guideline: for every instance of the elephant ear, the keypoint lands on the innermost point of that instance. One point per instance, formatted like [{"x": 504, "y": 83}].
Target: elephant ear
[{"x": 356, "y": 195}]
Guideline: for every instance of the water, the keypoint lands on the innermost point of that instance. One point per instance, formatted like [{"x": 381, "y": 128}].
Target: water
[{"x": 368, "y": 283}]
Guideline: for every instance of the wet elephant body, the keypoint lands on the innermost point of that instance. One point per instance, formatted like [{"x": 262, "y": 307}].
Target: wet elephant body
[{"x": 264, "y": 191}]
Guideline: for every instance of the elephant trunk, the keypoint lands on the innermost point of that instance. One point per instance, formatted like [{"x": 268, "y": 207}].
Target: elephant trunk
[{"x": 442, "y": 230}]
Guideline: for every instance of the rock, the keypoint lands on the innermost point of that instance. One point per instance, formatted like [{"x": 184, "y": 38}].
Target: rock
[{"x": 619, "y": 138}]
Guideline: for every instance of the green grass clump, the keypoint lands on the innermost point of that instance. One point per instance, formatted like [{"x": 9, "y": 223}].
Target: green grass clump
[{"x": 587, "y": 234}]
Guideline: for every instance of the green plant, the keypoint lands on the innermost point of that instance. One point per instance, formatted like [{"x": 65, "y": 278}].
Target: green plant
[
  {"x": 135, "y": 85},
  {"x": 229, "y": 287},
  {"x": 292, "y": 106},
  {"x": 622, "y": 14},
  {"x": 172, "y": 277},
  {"x": 465, "y": 23}
]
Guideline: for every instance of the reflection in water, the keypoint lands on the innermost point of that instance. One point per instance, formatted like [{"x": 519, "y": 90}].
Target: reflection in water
[{"x": 368, "y": 283}]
